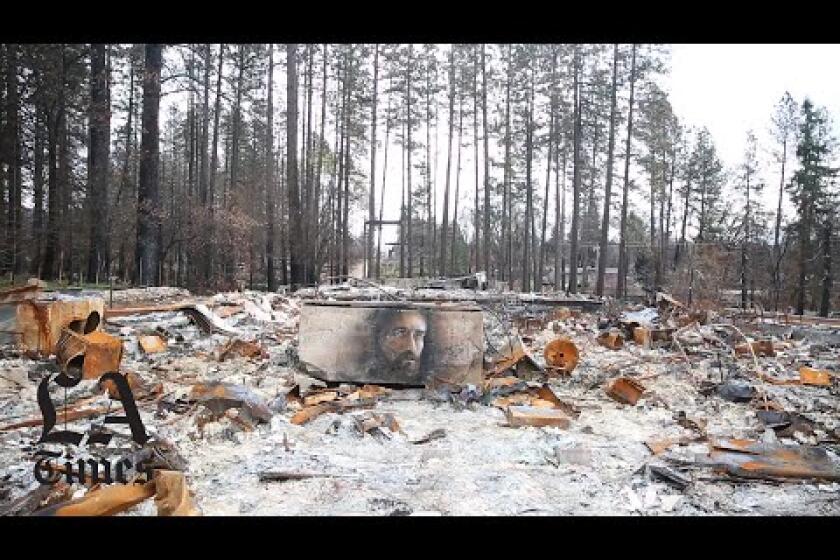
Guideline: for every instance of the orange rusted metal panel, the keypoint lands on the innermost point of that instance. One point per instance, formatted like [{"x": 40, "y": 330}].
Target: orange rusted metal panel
[
  {"x": 641, "y": 336},
  {"x": 810, "y": 376},
  {"x": 753, "y": 459},
  {"x": 625, "y": 390}
]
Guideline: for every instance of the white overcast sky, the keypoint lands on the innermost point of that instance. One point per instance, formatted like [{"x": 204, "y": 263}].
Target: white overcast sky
[{"x": 731, "y": 89}]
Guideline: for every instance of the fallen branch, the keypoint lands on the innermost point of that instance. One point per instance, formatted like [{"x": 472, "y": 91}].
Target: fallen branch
[
  {"x": 283, "y": 476},
  {"x": 61, "y": 417}
]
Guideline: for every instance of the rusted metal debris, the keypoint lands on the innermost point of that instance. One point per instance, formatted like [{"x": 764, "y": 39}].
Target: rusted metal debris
[
  {"x": 563, "y": 354},
  {"x": 761, "y": 348},
  {"x": 669, "y": 476},
  {"x": 369, "y": 421},
  {"x": 510, "y": 391},
  {"x": 219, "y": 397},
  {"x": 172, "y": 495},
  {"x": 152, "y": 344},
  {"x": 611, "y": 340},
  {"x": 519, "y": 416},
  {"x": 810, "y": 376},
  {"x": 625, "y": 390},
  {"x": 88, "y": 356},
  {"x": 139, "y": 388},
  {"x": 439, "y": 433},
  {"x": 753, "y": 459},
  {"x": 103, "y": 501},
  {"x": 199, "y": 313},
  {"x": 392, "y": 342},
  {"x": 242, "y": 348},
  {"x": 317, "y": 403},
  {"x": 42, "y": 496},
  {"x": 512, "y": 354},
  {"x": 36, "y": 325},
  {"x": 641, "y": 336},
  {"x": 169, "y": 488}
]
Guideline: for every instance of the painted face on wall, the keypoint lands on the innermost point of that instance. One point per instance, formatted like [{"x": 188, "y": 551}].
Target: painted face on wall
[{"x": 401, "y": 340}]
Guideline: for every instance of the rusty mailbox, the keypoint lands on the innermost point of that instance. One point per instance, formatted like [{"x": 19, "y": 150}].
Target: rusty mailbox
[{"x": 392, "y": 342}]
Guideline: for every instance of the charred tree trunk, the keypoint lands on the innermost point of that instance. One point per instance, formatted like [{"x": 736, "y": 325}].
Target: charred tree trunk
[
  {"x": 100, "y": 140},
  {"x": 382, "y": 192},
  {"x": 443, "y": 233},
  {"x": 293, "y": 187},
  {"x": 345, "y": 229},
  {"x": 529, "y": 191},
  {"x": 777, "y": 256},
  {"x": 315, "y": 216},
  {"x": 507, "y": 233},
  {"x": 827, "y": 280},
  {"x": 476, "y": 213},
  {"x": 804, "y": 254},
  {"x": 13, "y": 162},
  {"x": 573, "y": 258},
  {"x": 214, "y": 164},
  {"x": 38, "y": 195},
  {"x": 309, "y": 198},
  {"x": 269, "y": 183},
  {"x": 548, "y": 159},
  {"x": 55, "y": 131},
  {"x": 621, "y": 286},
  {"x": 148, "y": 225},
  {"x": 486, "y": 258},
  {"x": 427, "y": 264},
  {"x": 453, "y": 251},
  {"x": 605, "y": 221},
  {"x": 372, "y": 192},
  {"x": 410, "y": 149}
]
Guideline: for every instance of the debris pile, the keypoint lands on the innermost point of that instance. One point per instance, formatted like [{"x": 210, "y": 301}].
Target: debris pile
[{"x": 570, "y": 407}]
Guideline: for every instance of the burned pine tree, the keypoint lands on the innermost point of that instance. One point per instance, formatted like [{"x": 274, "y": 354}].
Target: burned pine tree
[{"x": 148, "y": 217}]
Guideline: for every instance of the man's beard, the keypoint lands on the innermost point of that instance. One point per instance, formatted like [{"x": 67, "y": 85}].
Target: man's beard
[{"x": 406, "y": 361}]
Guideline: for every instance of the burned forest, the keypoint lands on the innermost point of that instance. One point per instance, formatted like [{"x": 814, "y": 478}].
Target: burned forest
[{"x": 415, "y": 279}]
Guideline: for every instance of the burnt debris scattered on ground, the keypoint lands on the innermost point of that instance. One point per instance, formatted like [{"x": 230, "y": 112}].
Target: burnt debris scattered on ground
[{"x": 255, "y": 403}]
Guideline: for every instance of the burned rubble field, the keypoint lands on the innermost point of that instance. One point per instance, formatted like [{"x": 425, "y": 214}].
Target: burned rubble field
[{"x": 716, "y": 429}]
